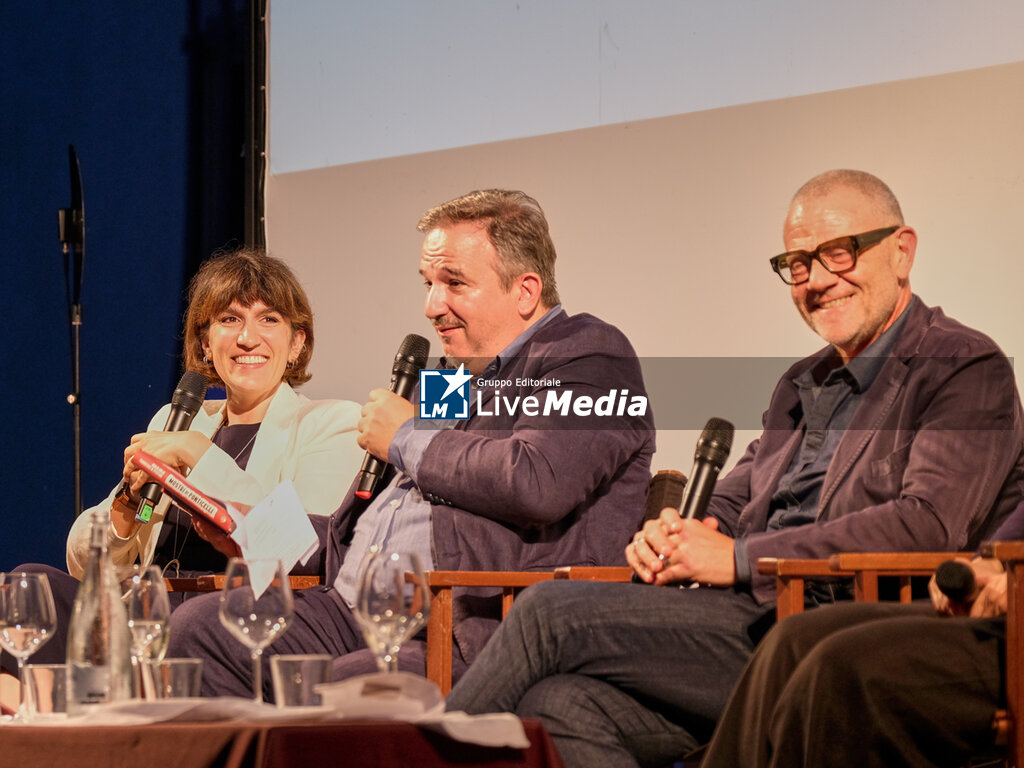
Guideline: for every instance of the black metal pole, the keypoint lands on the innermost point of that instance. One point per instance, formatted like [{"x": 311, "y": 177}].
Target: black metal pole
[
  {"x": 256, "y": 127},
  {"x": 72, "y": 237}
]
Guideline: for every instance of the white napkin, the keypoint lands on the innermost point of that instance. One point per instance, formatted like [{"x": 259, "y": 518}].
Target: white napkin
[
  {"x": 414, "y": 699},
  {"x": 186, "y": 710}
]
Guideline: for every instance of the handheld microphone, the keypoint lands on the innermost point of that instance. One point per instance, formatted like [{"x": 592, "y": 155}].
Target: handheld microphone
[
  {"x": 411, "y": 357},
  {"x": 956, "y": 581},
  {"x": 185, "y": 404},
  {"x": 713, "y": 448}
]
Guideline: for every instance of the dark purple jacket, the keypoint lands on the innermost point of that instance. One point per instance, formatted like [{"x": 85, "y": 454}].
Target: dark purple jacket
[
  {"x": 534, "y": 493},
  {"x": 1012, "y": 528},
  {"x": 932, "y": 460}
]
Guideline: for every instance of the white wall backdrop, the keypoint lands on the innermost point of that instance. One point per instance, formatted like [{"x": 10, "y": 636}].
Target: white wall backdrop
[
  {"x": 664, "y": 162},
  {"x": 355, "y": 81}
]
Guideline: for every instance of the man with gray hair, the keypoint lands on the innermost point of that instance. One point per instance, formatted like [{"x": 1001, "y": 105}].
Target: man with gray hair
[{"x": 904, "y": 433}]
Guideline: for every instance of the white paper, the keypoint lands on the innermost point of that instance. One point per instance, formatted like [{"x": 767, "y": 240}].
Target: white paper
[
  {"x": 277, "y": 527},
  {"x": 185, "y": 710},
  {"x": 499, "y": 729},
  {"x": 383, "y": 696},
  {"x": 414, "y": 699}
]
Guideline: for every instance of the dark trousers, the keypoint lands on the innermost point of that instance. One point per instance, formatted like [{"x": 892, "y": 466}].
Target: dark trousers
[
  {"x": 64, "y": 587},
  {"x": 620, "y": 674},
  {"x": 322, "y": 624},
  {"x": 864, "y": 685}
]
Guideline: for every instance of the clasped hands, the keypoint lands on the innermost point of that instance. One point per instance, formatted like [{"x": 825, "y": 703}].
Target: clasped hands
[{"x": 670, "y": 549}]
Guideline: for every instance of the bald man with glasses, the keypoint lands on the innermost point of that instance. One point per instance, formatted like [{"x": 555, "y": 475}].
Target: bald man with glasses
[{"x": 904, "y": 433}]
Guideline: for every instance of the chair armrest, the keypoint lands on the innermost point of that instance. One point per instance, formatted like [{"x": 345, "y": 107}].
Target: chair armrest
[
  {"x": 1007, "y": 551},
  {"x": 214, "y": 582},
  {"x": 866, "y": 567},
  {"x": 794, "y": 567},
  {"x": 512, "y": 579},
  {"x": 892, "y": 563},
  {"x": 617, "y": 573}
]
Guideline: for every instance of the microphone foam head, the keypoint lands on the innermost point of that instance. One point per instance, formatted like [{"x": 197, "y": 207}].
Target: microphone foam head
[
  {"x": 715, "y": 441},
  {"x": 412, "y": 355},
  {"x": 955, "y": 579},
  {"x": 190, "y": 392}
]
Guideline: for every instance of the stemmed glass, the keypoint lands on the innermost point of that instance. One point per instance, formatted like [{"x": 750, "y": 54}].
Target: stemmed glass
[
  {"x": 28, "y": 618},
  {"x": 256, "y": 606},
  {"x": 393, "y": 603},
  {"x": 149, "y": 611}
]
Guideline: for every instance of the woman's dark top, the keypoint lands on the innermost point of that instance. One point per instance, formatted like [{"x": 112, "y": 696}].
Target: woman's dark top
[{"x": 177, "y": 541}]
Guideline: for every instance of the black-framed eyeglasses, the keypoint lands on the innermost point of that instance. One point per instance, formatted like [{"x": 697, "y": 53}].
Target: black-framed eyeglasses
[{"x": 837, "y": 256}]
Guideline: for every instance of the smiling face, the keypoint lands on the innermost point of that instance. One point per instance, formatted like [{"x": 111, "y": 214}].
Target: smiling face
[
  {"x": 250, "y": 348},
  {"x": 474, "y": 316},
  {"x": 854, "y": 308}
]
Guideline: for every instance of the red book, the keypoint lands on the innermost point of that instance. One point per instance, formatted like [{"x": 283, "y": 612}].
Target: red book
[{"x": 183, "y": 492}]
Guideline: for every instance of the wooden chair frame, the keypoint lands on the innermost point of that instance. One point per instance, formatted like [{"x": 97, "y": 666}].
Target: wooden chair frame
[
  {"x": 443, "y": 583},
  {"x": 791, "y": 576},
  {"x": 865, "y": 568},
  {"x": 214, "y": 582},
  {"x": 442, "y": 600},
  {"x": 665, "y": 490},
  {"x": 1009, "y": 724}
]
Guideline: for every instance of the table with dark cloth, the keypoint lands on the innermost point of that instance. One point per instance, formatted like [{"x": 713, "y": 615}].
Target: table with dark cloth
[{"x": 367, "y": 744}]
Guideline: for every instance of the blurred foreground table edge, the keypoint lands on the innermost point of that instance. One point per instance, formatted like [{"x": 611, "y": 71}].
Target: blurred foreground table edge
[{"x": 262, "y": 744}]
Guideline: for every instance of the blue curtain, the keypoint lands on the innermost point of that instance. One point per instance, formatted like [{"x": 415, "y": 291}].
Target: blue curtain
[{"x": 152, "y": 97}]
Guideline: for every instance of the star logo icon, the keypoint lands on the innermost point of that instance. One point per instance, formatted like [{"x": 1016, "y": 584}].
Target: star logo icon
[
  {"x": 455, "y": 380},
  {"x": 444, "y": 394}
]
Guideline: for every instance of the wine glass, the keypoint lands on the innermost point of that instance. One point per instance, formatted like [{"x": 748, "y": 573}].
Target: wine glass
[
  {"x": 256, "y": 606},
  {"x": 28, "y": 618},
  {"x": 393, "y": 603},
  {"x": 149, "y": 611}
]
